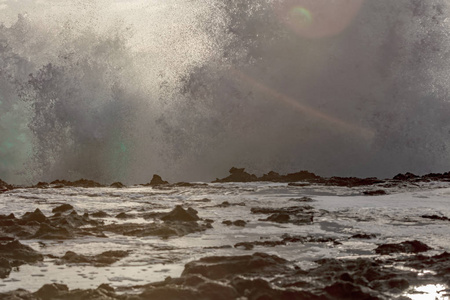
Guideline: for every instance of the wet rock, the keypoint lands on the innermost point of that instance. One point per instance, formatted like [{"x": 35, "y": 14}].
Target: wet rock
[
  {"x": 299, "y": 215},
  {"x": 351, "y": 181},
  {"x": 271, "y": 176},
  {"x": 240, "y": 223},
  {"x": 180, "y": 214},
  {"x": 302, "y": 199},
  {"x": 278, "y": 218},
  {"x": 72, "y": 220},
  {"x": 216, "y": 267},
  {"x": 157, "y": 180},
  {"x": 85, "y": 183},
  {"x": 375, "y": 193},
  {"x": 14, "y": 254},
  {"x": 49, "y": 291},
  {"x": 62, "y": 208},
  {"x": 403, "y": 247},
  {"x": 42, "y": 185},
  {"x": 238, "y": 175},
  {"x": 435, "y": 217},
  {"x": 363, "y": 236},
  {"x": 5, "y": 186},
  {"x": 8, "y": 220},
  {"x": 37, "y": 216},
  {"x": 227, "y": 222},
  {"x": 406, "y": 176},
  {"x": 124, "y": 215},
  {"x": 165, "y": 230},
  {"x": 103, "y": 259},
  {"x": 48, "y": 232},
  {"x": 100, "y": 214},
  {"x": 301, "y": 176},
  {"x": 118, "y": 185},
  {"x": 348, "y": 290}
]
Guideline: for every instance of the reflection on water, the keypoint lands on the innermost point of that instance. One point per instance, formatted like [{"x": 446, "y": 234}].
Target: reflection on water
[{"x": 429, "y": 292}]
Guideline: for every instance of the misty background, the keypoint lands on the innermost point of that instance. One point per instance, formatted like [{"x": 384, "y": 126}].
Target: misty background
[{"x": 119, "y": 90}]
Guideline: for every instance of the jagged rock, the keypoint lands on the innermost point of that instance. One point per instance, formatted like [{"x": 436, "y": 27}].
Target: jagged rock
[
  {"x": 37, "y": 216},
  {"x": 157, "y": 180},
  {"x": 49, "y": 232},
  {"x": 180, "y": 214},
  {"x": 238, "y": 175},
  {"x": 14, "y": 254}
]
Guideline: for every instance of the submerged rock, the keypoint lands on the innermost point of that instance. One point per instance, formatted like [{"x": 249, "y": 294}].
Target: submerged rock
[{"x": 103, "y": 259}]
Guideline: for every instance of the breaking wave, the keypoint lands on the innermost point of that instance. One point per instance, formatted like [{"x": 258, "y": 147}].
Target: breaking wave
[{"x": 119, "y": 91}]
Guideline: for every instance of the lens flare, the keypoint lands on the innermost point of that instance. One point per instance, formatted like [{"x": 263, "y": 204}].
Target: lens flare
[
  {"x": 318, "y": 18},
  {"x": 301, "y": 15}
]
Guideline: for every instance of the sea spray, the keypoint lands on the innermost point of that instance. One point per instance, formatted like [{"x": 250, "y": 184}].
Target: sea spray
[{"x": 122, "y": 90}]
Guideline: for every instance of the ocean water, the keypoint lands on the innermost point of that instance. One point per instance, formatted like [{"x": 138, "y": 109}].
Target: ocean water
[{"x": 392, "y": 218}]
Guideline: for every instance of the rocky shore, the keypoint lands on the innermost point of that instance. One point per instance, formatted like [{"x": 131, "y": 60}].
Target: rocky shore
[{"x": 249, "y": 270}]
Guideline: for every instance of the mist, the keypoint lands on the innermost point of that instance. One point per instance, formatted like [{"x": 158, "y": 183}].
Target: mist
[{"x": 119, "y": 91}]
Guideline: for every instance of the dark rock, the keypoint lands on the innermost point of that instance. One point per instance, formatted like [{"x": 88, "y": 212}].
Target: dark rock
[
  {"x": 375, "y": 193},
  {"x": 123, "y": 215},
  {"x": 180, "y": 214},
  {"x": 278, "y": 218},
  {"x": 404, "y": 177},
  {"x": 363, "y": 236},
  {"x": 100, "y": 214},
  {"x": 238, "y": 175},
  {"x": 49, "y": 291},
  {"x": 85, "y": 183},
  {"x": 240, "y": 223},
  {"x": 103, "y": 259},
  {"x": 4, "y": 186},
  {"x": 300, "y": 176},
  {"x": 62, "y": 208},
  {"x": 157, "y": 180},
  {"x": 118, "y": 185},
  {"x": 217, "y": 267},
  {"x": 435, "y": 217},
  {"x": 302, "y": 199},
  {"x": 271, "y": 176},
  {"x": 348, "y": 290},
  {"x": 14, "y": 254},
  {"x": 37, "y": 216},
  {"x": 299, "y": 215},
  {"x": 49, "y": 232},
  {"x": 227, "y": 222},
  {"x": 403, "y": 247}
]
